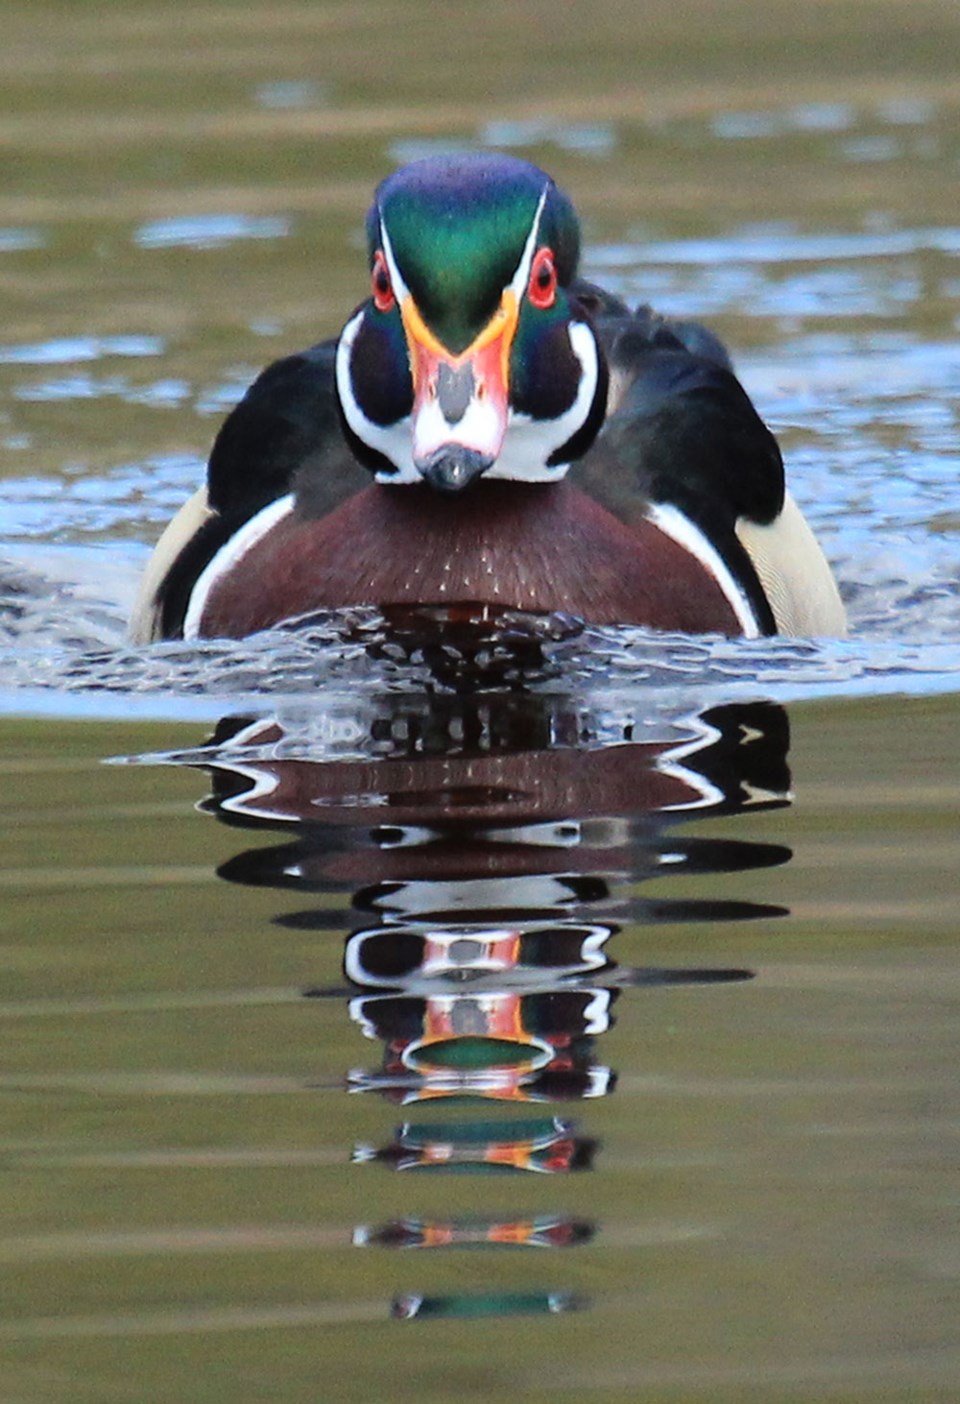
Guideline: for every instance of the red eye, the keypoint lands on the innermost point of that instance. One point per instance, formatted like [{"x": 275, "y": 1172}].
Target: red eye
[
  {"x": 383, "y": 298},
  {"x": 542, "y": 289}
]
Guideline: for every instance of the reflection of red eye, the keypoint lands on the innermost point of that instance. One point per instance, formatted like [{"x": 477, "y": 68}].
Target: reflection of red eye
[
  {"x": 383, "y": 298},
  {"x": 542, "y": 289}
]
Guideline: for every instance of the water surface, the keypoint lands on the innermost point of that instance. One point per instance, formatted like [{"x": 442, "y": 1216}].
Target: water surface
[
  {"x": 597, "y": 1067},
  {"x": 574, "y": 1013}
]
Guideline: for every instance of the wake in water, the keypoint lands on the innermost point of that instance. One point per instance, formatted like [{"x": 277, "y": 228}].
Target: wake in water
[
  {"x": 66, "y": 642},
  {"x": 865, "y": 416}
]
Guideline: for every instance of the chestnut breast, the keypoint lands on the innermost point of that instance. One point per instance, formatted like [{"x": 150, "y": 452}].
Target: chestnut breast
[{"x": 537, "y": 547}]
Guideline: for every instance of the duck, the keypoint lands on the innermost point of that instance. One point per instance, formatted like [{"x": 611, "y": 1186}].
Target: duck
[{"x": 492, "y": 431}]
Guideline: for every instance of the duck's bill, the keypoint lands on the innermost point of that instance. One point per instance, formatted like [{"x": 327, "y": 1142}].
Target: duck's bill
[
  {"x": 452, "y": 466},
  {"x": 460, "y": 402}
]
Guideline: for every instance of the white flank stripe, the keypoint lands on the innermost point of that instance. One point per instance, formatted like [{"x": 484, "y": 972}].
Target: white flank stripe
[
  {"x": 228, "y": 556},
  {"x": 679, "y": 528}
]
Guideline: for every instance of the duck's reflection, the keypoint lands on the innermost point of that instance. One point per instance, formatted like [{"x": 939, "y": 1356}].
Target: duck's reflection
[
  {"x": 479, "y": 1304},
  {"x": 543, "y": 1231},
  {"x": 546, "y": 1146},
  {"x": 486, "y": 850}
]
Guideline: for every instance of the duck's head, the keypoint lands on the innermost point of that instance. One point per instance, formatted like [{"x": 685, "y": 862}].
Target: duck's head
[{"x": 472, "y": 354}]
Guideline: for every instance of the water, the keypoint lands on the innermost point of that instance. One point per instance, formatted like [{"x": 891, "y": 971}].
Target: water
[
  {"x": 589, "y": 1059},
  {"x": 572, "y": 1010}
]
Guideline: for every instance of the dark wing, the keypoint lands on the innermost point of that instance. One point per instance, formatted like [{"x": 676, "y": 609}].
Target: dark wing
[
  {"x": 284, "y": 436},
  {"x": 681, "y": 430}
]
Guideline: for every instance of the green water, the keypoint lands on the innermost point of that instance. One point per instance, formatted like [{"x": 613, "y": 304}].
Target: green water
[
  {"x": 116, "y": 116},
  {"x": 185, "y": 1182},
  {"x": 774, "y": 1194}
]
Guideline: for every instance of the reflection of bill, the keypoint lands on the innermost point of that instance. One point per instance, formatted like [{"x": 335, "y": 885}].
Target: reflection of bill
[{"x": 541, "y": 1232}]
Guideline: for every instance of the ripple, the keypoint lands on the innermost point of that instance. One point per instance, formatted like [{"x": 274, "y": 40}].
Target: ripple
[
  {"x": 585, "y": 138},
  {"x": 79, "y": 503},
  {"x": 22, "y": 240},
  {"x": 65, "y": 350},
  {"x": 906, "y": 111},
  {"x": 421, "y": 148},
  {"x": 286, "y": 94},
  {"x": 779, "y": 245},
  {"x": 211, "y": 231},
  {"x": 164, "y": 392},
  {"x": 804, "y": 117},
  {"x": 345, "y": 661}
]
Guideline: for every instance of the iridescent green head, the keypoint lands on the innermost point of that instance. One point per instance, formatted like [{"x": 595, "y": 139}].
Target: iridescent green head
[
  {"x": 458, "y": 228},
  {"x": 471, "y": 356}
]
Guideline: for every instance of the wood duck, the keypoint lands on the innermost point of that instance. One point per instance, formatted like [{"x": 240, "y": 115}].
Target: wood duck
[{"x": 491, "y": 430}]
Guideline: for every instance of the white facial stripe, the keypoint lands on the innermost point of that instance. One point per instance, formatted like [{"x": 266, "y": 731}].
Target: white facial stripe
[
  {"x": 530, "y": 442},
  {"x": 518, "y": 283},
  {"x": 344, "y": 349},
  {"x": 392, "y": 440},
  {"x": 227, "y": 557},
  {"x": 400, "y": 289}
]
